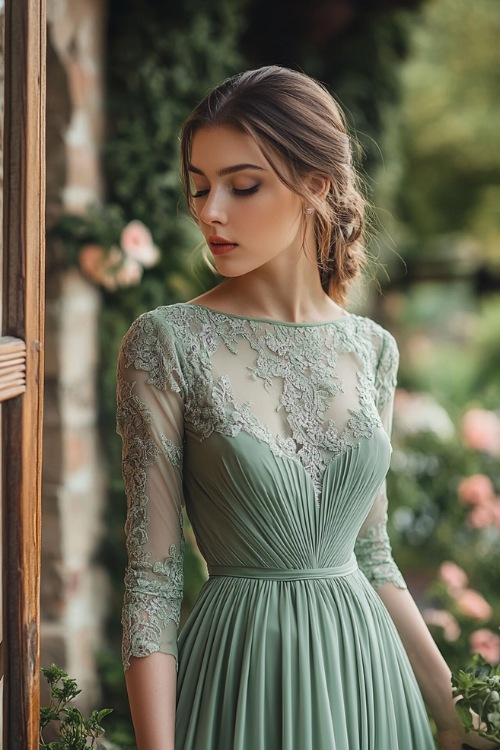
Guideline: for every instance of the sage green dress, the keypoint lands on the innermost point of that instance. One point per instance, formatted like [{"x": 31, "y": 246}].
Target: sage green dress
[{"x": 276, "y": 437}]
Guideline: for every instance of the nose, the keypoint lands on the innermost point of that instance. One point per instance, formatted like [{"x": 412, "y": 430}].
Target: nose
[{"x": 214, "y": 210}]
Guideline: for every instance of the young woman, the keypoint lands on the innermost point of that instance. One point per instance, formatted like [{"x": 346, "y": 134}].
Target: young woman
[{"x": 266, "y": 408}]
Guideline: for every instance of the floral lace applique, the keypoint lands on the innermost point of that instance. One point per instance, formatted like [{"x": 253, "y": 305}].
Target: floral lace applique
[
  {"x": 374, "y": 555},
  {"x": 172, "y": 451},
  {"x": 385, "y": 380},
  {"x": 150, "y": 348},
  {"x": 153, "y": 589},
  {"x": 151, "y": 603},
  {"x": 302, "y": 359}
]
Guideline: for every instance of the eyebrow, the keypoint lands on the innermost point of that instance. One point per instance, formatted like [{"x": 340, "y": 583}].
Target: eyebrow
[{"x": 227, "y": 170}]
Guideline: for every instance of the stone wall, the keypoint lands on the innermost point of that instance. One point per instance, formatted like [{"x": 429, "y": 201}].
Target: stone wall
[{"x": 73, "y": 586}]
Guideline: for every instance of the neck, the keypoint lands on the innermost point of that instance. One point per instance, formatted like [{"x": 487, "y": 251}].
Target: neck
[{"x": 288, "y": 289}]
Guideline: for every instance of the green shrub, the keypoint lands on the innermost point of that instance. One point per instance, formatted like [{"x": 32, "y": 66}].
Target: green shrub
[{"x": 75, "y": 732}]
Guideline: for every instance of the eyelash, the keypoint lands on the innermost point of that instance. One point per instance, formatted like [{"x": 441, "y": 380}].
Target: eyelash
[{"x": 236, "y": 192}]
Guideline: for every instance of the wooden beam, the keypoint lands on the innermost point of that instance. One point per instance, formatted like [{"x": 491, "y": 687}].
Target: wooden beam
[{"x": 23, "y": 318}]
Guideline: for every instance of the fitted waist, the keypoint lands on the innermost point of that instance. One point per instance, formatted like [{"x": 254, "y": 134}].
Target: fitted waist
[{"x": 283, "y": 574}]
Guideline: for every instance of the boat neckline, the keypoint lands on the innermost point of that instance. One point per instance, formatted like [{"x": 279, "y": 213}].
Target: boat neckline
[{"x": 291, "y": 324}]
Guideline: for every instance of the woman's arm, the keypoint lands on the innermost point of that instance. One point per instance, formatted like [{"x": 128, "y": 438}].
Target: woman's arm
[
  {"x": 375, "y": 559},
  {"x": 431, "y": 670},
  {"x": 150, "y": 420},
  {"x": 151, "y": 686}
]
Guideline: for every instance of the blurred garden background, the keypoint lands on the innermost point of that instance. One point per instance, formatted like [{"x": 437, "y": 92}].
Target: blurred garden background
[{"x": 420, "y": 83}]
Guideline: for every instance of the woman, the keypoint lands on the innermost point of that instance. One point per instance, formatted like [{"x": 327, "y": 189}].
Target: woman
[{"x": 266, "y": 408}]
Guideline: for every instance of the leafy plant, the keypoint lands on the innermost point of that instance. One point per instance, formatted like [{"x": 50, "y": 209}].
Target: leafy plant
[
  {"x": 479, "y": 689},
  {"x": 76, "y": 732}
]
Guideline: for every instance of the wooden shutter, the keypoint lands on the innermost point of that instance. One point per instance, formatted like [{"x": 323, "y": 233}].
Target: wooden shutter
[{"x": 21, "y": 364}]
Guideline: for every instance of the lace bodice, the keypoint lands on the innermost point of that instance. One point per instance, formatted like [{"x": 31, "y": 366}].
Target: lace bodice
[{"x": 201, "y": 391}]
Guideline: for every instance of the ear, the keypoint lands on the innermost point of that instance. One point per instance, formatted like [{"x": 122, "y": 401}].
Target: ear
[{"x": 319, "y": 184}]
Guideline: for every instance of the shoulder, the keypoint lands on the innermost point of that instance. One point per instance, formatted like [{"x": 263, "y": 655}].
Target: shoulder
[
  {"x": 164, "y": 323},
  {"x": 385, "y": 348},
  {"x": 383, "y": 353},
  {"x": 153, "y": 343}
]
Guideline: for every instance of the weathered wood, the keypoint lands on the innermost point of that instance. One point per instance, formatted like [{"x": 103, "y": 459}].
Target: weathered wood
[
  {"x": 12, "y": 367},
  {"x": 23, "y": 314}
]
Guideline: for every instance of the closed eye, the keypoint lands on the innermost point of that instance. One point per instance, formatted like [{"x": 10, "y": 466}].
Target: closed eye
[
  {"x": 247, "y": 191},
  {"x": 236, "y": 191}
]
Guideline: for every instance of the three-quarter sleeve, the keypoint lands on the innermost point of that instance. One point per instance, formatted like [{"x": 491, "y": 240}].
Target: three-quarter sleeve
[
  {"x": 373, "y": 547},
  {"x": 150, "y": 422}
]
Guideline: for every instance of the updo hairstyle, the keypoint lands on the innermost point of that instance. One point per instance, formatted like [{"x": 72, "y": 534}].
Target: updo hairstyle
[{"x": 296, "y": 123}]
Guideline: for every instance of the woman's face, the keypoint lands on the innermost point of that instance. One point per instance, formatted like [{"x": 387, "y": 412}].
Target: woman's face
[{"x": 248, "y": 217}]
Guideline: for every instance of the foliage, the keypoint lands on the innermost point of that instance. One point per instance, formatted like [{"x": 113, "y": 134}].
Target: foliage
[
  {"x": 442, "y": 156},
  {"x": 445, "y": 524},
  {"x": 357, "y": 52},
  {"x": 71, "y": 233},
  {"x": 479, "y": 688},
  {"x": 109, "y": 251},
  {"x": 76, "y": 732}
]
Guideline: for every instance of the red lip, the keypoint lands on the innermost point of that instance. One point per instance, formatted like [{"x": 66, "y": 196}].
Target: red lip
[{"x": 220, "y": 245}]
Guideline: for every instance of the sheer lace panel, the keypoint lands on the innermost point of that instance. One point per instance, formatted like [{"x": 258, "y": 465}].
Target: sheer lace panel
[
  {"x": 150, "y": 422},
  {"x": 373, "y": 547},
  {"x": 309, "y": 392}
]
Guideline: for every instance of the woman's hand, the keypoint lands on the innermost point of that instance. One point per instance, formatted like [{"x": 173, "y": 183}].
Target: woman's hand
[{"x": 450, "y": 739}]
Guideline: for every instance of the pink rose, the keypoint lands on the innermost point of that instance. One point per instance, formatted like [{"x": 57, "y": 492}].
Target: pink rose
[
  {"x": 137, "y": 243},
  {"x": 91, "y": 259},
  {"x": 453, "y": 576},
  {"x": 444, "y": 620},
  {"x": 471, "y": 604},
  {"x": 130, "y": 273},
  {"x": 487, "y": 644},
  {"x": 481, "y": 516},
  {"x": 97, "y": 266},
  {"x": 481, "y": 431},
  {"x": 476, "y": 490}
]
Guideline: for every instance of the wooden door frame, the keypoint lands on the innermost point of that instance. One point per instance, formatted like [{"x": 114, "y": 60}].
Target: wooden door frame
[{"x": 23, "y": 322}]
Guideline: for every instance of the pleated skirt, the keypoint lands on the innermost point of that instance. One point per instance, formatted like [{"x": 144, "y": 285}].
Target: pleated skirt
[{"x": 295, "y": 665}]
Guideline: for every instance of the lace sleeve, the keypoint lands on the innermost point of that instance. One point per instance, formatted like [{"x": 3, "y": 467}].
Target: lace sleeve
[
  {"x": 373, "y": 547},
  {"x": 150, "y": 423}
]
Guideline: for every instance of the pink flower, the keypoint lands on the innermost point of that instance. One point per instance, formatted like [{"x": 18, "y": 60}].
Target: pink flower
[
  {"x": 97, "y": 266},
  {"x": 481, "y": 431},
  {"x": 476, "y": 490},
  {"x": 471, "y": 604},
  {"x": 90, "y": 259},
  {"x": 130, "y": 273},
  {"x": 444, "y": 620},
  {"x": 481, "y": 516},
  {"x": 137, "y": 243},
  {"x": 453, "y": 576},
  {"x": 419, "y": 412},
  {"x": 487, "y": 644}
]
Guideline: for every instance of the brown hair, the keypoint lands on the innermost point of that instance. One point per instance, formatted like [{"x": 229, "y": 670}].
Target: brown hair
[{"x": 293, "y": 117}]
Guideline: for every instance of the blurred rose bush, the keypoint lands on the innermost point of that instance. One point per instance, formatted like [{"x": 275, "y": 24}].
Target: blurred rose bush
[
  {"x": 108, "y": 251},
  {"x": 445, "y": 495}
]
